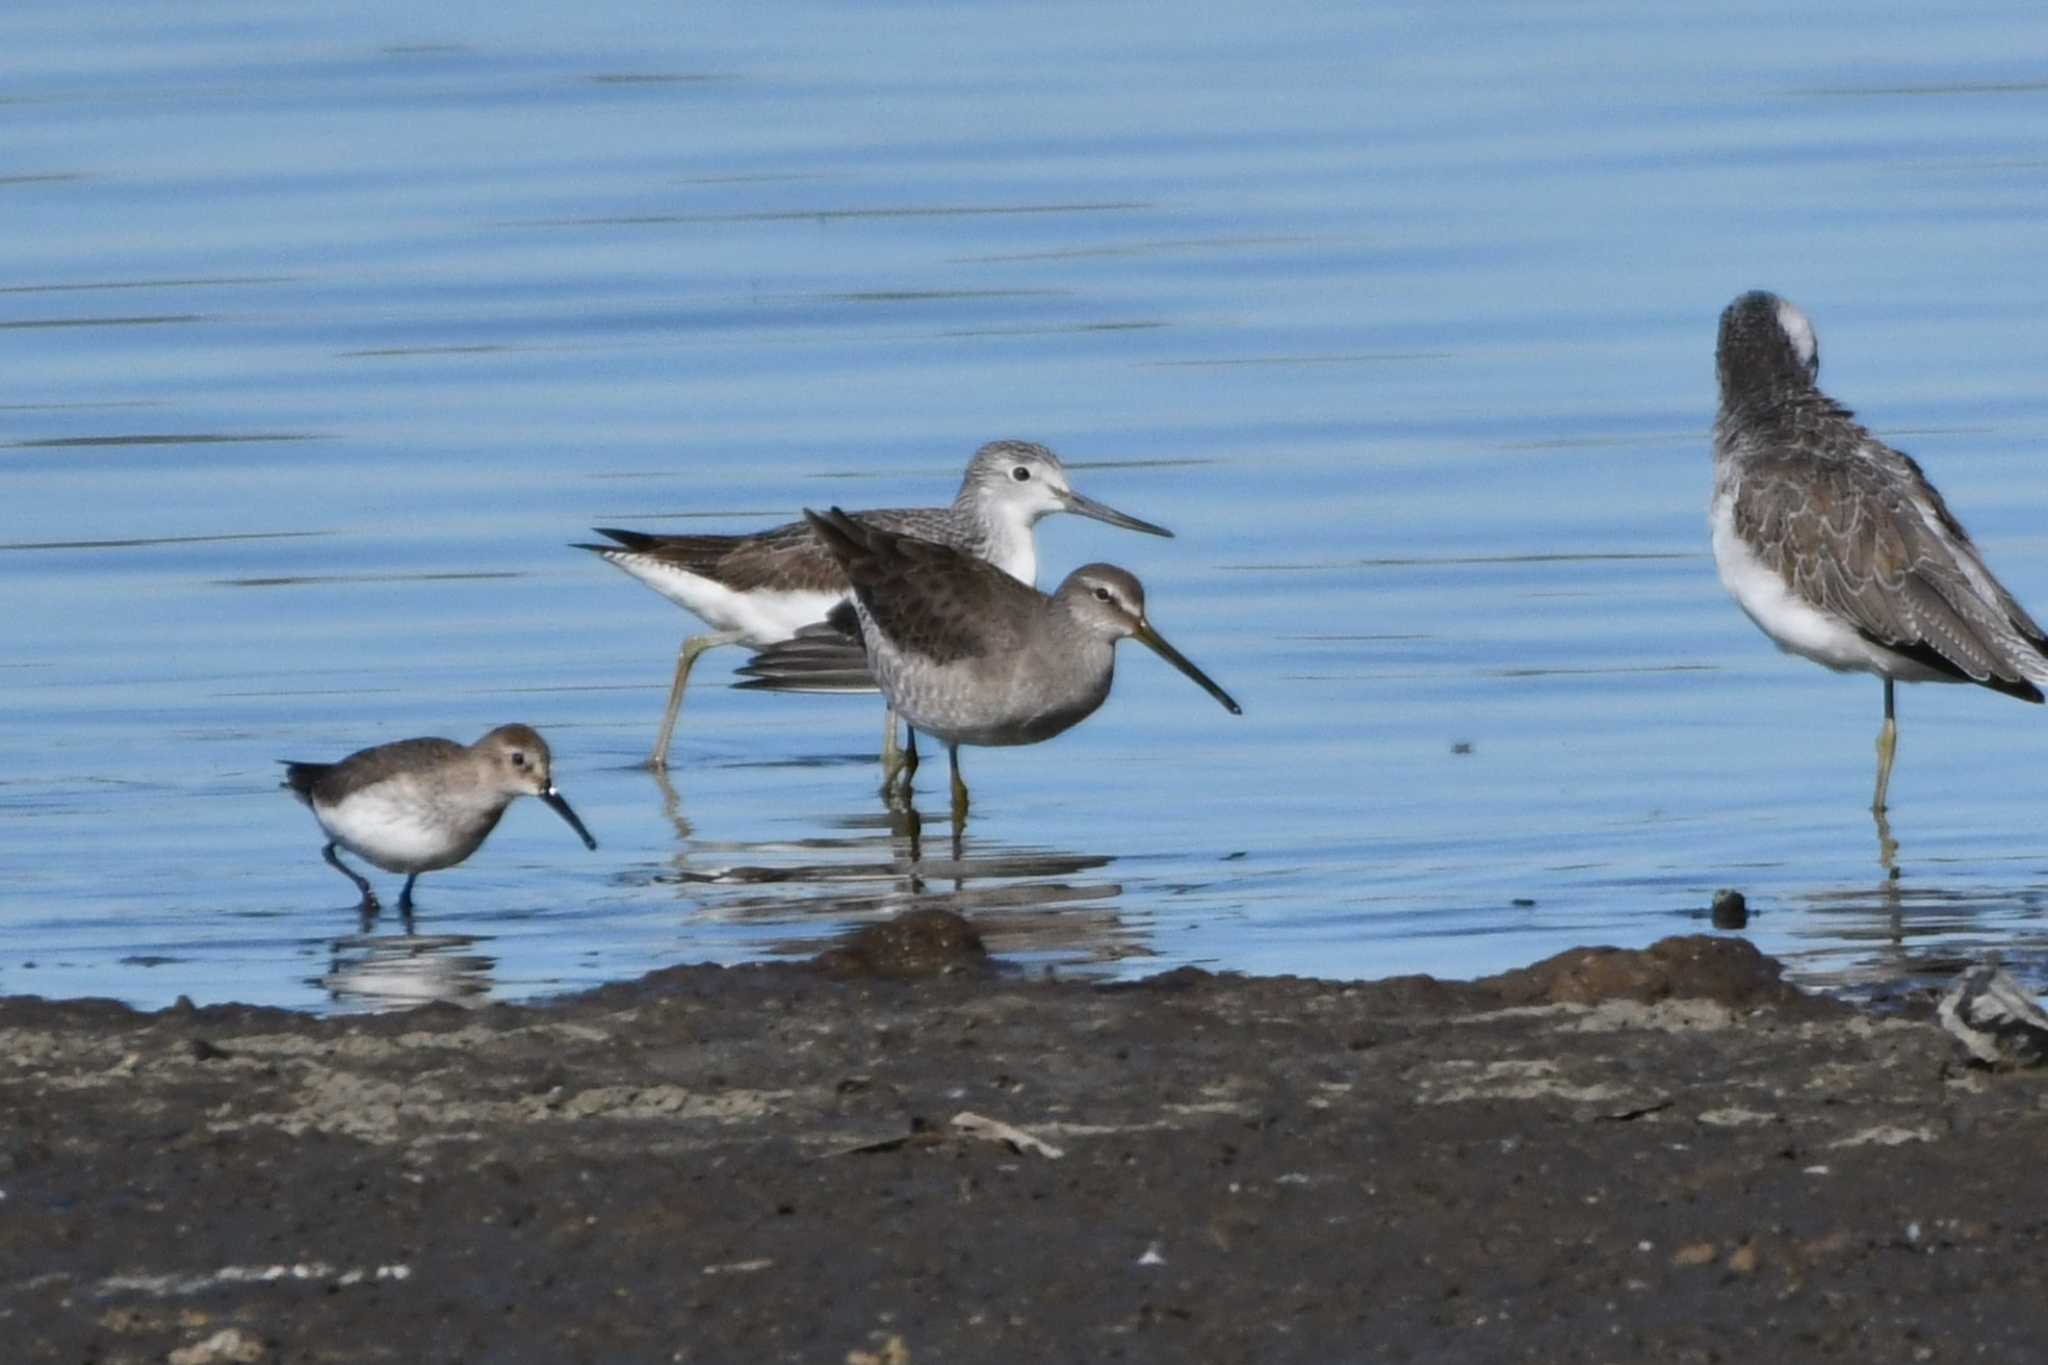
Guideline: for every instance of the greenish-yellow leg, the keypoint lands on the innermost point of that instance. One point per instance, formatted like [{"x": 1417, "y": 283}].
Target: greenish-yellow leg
[
  {"x": 686, "y": 659},
  {"x": 892, "y": 753}
]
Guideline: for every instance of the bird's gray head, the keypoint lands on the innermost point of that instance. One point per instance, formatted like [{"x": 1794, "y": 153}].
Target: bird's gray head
[
  {"x": 1109, "y": 603},
  {"x": 1022, "y": 482},
  {"x": 1766, "y": 345},
  {"x": 1106, "y": 600}
]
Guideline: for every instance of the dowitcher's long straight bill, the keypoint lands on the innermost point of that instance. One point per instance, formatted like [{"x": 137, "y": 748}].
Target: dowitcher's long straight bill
[
  {"x": 1153, "y": 641},
  {"x": 1081, "y": 505},
  {"x": 561, "y": 808}
]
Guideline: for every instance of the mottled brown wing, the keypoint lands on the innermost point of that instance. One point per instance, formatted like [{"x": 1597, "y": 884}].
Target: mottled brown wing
[
  {"x": 785, "y": 557},
  {"x": 1853, "y": 538},
  {"x": 929, "y": 599},
  {"x": 788, "y": 557}
]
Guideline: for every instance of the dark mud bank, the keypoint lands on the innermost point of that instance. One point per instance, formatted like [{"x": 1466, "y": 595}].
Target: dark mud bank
[{"x": 1666, "y": 1155}]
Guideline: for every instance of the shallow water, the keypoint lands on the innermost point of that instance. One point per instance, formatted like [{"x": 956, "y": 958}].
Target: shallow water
[{"x": 325, "y": 336}]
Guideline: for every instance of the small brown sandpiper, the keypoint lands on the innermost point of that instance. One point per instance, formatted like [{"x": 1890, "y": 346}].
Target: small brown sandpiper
[{"x": 419, "y": 805}]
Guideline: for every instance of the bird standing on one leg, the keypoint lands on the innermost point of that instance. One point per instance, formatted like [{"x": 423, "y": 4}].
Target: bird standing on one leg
[
  {"x": 418, "y": 805},
  {"x": 1836, "y": 545}
]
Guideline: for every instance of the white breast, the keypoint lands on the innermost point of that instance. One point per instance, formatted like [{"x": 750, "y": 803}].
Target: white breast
[
  {"x": 1793, "y": 624},
  {"x": 394, "y": 825},
  {"x": 762, "y": 617}
]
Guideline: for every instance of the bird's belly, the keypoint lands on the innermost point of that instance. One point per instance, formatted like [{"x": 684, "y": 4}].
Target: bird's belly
[
  {"x": 956, "y": 705},
  {"x": 399, "y": 832},
  {"x": 764, "y": 616},
  {"x": 1795, "y": 625}
]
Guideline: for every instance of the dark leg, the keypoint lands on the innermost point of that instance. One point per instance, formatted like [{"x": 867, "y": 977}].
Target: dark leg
[
  {"x": 1887, "y": 749},
  {"x": 913, "y": 826},
  {"x": 959, "y": 804},
  {"x": 959, "y": 787},
  {"x": 405, "y": 896},
  {"x": 369, "y": 897}
]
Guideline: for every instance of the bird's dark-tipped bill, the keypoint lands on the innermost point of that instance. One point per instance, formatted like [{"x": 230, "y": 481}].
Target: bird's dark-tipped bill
[
  {"x": 1081, "y": 505},
  {"x": 1152, "y": 640},
  {"x": 561, "y": 808}
]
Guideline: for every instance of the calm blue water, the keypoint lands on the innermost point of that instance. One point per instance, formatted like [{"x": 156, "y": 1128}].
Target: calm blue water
[{"x": 324, "y": 335}]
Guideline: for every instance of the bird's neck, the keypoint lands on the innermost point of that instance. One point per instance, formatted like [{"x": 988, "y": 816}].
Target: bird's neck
[{"x": 1006, "y": 541}]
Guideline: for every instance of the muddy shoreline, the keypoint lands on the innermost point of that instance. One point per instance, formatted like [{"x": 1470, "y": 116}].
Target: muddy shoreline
[{"x": 1662, "y": 1155}]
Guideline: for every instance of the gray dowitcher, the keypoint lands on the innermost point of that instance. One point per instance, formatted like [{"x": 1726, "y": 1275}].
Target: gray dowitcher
[{"x": 967, "y": 654}]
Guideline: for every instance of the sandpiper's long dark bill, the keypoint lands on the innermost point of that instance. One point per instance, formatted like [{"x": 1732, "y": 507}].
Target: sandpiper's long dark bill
[
  {"x": 966, "y": 653},
  {"x": 418, "y": 805},
  {"x": 762, "y": 588},
  {"x": 1144, "y": 634},
  {"x": 1836, "y": 545}
]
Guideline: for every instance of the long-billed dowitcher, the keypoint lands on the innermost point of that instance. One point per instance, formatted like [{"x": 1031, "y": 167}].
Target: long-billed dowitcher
[
  {"x": 761, "y": 588},
  {"x": 1836, "y": 545},
  {"x": 967, "y": 654},
  {"x": 419, "y": 805}
]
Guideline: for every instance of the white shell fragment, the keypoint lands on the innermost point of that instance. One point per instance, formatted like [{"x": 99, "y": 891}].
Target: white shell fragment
[{"x": 1995, "y": 1018}]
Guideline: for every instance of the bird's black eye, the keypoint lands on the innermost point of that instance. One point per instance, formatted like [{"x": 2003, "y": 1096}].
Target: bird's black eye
[
  {"x": 1102, "y": 594},
  {"x": 1022, "y": 474},
  {"x": 518, "y": 758}
]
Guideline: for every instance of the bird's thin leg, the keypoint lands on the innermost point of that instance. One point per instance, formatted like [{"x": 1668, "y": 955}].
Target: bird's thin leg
[
  {"x": 1887, "y": 749},
  {"x": 913, "y": 827},
  {"x": 369, "y": 905},
  {"x": 909, "y": 765},
  {"x": 1887, "y": 854},
  {"x": 405, "y": 898},
  {"x": 959, "y": 787},
  {"x": 959, "y": 808},
  {"x": 686, "y": 659},
  {"x": 892, "y": 753}
]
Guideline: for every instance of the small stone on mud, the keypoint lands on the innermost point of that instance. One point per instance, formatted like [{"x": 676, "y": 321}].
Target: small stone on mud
[
  {"x": 230, "y": 1344},
  {"x": 1731, "y": 909},
  {"x": 893, "y": 1352},
  {"x": 1694, "y": 1253},
  {"x": 916, "y": 943}
]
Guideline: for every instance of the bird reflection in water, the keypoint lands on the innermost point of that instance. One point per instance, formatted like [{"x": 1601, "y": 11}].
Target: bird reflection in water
[
  {"x": 879, "y": 863},
  {"x": 397, "y": 971}
]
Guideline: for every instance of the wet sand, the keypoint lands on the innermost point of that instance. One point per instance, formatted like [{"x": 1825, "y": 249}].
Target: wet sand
[{"x": 1663, "y": 1155}]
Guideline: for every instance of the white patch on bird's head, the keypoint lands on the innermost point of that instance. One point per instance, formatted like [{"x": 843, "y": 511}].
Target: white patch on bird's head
[{"x": 1798, "y": 330}]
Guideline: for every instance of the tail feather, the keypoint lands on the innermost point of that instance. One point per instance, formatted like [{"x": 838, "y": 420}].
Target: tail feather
[
  {"x": 633, "y": 542},
  {"x": 302, "y": 777},
  {"x": 818, "y": 658}
]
